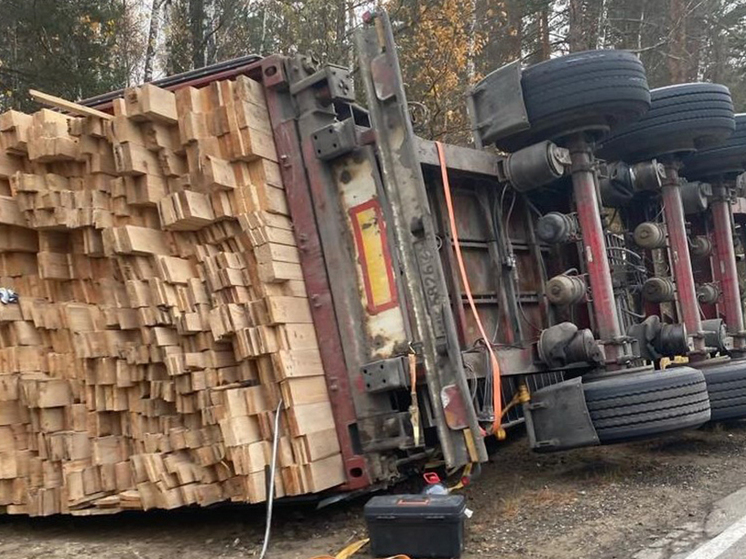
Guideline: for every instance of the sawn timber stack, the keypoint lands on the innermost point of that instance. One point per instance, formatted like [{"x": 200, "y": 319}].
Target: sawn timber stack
[{"x": 162, "y": 312}]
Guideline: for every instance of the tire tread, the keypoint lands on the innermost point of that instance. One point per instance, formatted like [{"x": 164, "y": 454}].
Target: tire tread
[{"x": 642, "y": 405}]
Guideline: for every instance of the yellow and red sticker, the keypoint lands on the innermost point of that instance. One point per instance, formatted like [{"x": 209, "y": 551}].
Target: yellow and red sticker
[{"x": 369, "y": 229}]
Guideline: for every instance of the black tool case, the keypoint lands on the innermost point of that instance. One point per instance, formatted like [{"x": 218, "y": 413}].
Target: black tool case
[{"x": 421, "y": 526}]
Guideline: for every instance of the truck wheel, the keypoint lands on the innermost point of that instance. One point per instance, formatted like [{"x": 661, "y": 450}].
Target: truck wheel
[
  {"x": 682, "y": 118},
  {"x": 592, "y": 89},
  {"x": 727, "y": 159},
  {"x": 635, "y": 406},
  {"x": 726, "y": 385}
]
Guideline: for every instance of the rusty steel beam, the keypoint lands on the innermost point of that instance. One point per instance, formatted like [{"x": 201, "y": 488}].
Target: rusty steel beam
[
  {"x": 298, "y": 187},
  {"x": 460, "y": 158},
  {"x": 723, "y": 231}
]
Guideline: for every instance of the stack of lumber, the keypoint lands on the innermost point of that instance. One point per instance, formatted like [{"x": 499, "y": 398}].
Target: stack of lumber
[{"x": 162, "y": 312}]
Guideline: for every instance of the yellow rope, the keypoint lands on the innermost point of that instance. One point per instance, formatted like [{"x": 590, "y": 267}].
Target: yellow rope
[{"x": 352, "y": 549}]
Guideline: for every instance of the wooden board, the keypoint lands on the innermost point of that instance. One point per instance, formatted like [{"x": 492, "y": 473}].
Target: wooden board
[{"x": 69, "y": 106}]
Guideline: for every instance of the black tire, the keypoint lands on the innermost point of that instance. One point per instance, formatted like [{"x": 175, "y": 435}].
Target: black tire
[
  {"x": 594, "y": 89},
  {"x": 637, "y": 406},
  {"x": 728, "y": 159},
  {"x": 683, "y": 118},
  {"x": 726, "y": 385}
]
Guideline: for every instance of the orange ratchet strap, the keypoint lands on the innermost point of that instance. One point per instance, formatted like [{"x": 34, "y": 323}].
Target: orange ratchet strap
[{"x": 496, "y": 397}]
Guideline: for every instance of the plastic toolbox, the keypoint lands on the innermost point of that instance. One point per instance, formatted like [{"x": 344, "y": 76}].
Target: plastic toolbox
[{"x": 421, "y": 526}]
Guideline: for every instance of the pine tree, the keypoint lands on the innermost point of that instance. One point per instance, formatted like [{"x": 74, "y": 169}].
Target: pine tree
[{"x": 71, "y": 49}]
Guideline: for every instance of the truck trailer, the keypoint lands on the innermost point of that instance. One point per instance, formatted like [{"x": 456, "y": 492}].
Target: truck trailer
[{"x": 263, "y": 255}]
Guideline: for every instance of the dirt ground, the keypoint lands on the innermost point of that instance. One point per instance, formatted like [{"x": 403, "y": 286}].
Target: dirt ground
[{"x": 599, "y": 503}]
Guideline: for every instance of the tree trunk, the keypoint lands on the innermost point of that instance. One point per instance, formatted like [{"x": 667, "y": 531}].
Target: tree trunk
[
  {"x": 546, "y": 46},
  {"x": 155, "y": 13},
  {"x": 471, "y": 72},
  {"x": 717, "y": 67},
  {"x": 210, "y": 26},
  {"x": 514, "y": 40},
  {"x": 197, "y": 16},
  {"x": 575, "y": 26},
  {"x": 263, "y": 42},
  {"x": 696, "y": 38},
  {"x": 338, "y": 50},
  {"x": 586, "y": 20},
  {"x": 638, "y": 42},
  {"x": 351, "y": 24},
  {"x": 677, "y": 45},
  {"x": 126, "y": 61},
  {"x": 601, "y": 24}
]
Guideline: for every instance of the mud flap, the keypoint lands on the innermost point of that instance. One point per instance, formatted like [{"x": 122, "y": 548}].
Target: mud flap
[
  {"x": 557, "y": 418},
  {"x": 496, "y": 104}
]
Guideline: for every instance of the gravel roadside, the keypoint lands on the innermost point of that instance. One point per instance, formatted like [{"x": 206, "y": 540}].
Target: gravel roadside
[{"x": 597, "y": 503}]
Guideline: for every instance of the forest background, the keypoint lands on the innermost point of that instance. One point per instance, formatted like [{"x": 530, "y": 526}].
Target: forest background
[{"x": 80, "y": 48}]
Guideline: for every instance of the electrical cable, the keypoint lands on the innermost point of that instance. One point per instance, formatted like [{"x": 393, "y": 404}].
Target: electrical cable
[
  {"x": 474, "y": 389},
  {"x": 510, "y": 248},
  {"x": 489, "y": 408},
  {"x": 271, "y": 489},
  {"x": 532, "y": 207},
  {"x": 632, "y": 313},
  {"x": 525, "y": 318},
  {"x": 510, "y": 214},
  {"x": 625, "y": 250}
]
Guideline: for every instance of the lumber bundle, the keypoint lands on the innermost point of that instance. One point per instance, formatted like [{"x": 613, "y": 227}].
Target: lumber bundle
[{"x": 162, "y": 312}]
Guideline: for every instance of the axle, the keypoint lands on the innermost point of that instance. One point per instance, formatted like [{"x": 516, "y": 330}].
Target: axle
[
  {"x": 673, "y": 211},
  {"x": 722, "y": 227},
  {"x": 594, "y": 248}
]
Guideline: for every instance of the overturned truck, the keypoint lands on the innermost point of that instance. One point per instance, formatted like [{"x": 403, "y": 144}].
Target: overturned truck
[{"x": 199, "y": 269}]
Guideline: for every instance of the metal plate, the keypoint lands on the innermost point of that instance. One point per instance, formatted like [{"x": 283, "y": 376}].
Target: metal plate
[
  {"x": 340, "y": 84},
  {"x": 454, "y": 407},
  {"x": 386, "y": 374},
  {"x": 335, "y": 139}
]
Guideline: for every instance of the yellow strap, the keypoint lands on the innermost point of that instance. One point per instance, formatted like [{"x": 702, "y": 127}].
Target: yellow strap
[
  {"x": 352, "y": 549},
  {"x": 465, "y": 473},
  {"x": 497, "y": 429},
  {"x": 414, "y": 408}
]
